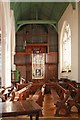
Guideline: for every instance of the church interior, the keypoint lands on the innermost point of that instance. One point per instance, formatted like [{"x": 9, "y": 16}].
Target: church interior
[{"x": 39, "y": 60}]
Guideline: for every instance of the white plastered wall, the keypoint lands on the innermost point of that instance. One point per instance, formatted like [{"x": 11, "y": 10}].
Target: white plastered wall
[
  {"x": 79, "y": 42},
  {"x": 71, "y": 17},
  {"x": 0, "y": 33},
  {"x": 0, "y": 15}
]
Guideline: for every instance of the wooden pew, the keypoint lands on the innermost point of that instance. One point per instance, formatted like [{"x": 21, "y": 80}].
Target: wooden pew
[
  {"x": 21, "y": 94},
  {"x": 62, "y": 92},
  {"x": 62, "y": 96},
  {"x": 39, "y": 95},
  {"x": 35, "y": 87},
  {"x": 62, "y": 103},
  {"x": 30, "y": 88},
  {"x": 1, "y": 94},
  {"x": 4, "y": 94},
  {"x": 49, "y": 86},
  {"x": 75, "y": 98},
  {"x": 20, "y": 86}
]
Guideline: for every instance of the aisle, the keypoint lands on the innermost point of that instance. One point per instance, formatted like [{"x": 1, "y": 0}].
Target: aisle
[{"x": 49, "y": 108}]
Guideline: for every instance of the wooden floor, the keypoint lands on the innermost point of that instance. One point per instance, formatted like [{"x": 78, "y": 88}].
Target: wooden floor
[
  {"x": 49, "y": 108},
  {"x": 48, "y": 111}
]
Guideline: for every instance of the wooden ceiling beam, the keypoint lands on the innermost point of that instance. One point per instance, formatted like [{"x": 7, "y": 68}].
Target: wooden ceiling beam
[{"x": 46, "y": 22}]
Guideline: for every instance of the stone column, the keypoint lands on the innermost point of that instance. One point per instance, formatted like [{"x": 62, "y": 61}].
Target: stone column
[{"x": 6, "y": 43}]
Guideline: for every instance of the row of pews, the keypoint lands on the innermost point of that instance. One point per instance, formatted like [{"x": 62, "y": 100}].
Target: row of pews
[
  {"x": 68, "y": 96},
  {"x": 27, "y": 91},
  {"x": 67, "y": 92},
  {"x": 5, "y": 92}
]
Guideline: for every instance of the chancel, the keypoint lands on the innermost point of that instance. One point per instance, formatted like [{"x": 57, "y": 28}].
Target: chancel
[{"x": 39, "y": 60}]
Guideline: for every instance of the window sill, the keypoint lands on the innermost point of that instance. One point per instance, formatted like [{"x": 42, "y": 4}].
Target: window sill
[{"x": 66, "y": 71}]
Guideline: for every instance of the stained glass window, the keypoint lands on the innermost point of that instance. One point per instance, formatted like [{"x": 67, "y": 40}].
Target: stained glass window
[{"x": 66, "y": 49}]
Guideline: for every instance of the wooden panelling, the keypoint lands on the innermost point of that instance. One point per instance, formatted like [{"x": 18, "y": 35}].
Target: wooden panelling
[
  {"x": 37, "y": 39},
  {"x": 51, "y": 57},
  {"x": 20, "y": 59},
  {"x": 53, "y": 41},
  {"x": 28, "y": 72},
  {"x": 24, "y": 65},
  {"x": 28, "y": 58},
  {"x": 22, "y": 70},
  {"x": 51, "y": 71},
  {"x": 36, "y": 35},
  {"x": 31, "y": 48}
]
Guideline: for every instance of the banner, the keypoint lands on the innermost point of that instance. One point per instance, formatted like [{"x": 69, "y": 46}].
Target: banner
[{"x": 38, "y": 66}]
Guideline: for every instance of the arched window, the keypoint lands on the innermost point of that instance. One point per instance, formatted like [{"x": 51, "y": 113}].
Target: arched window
[{"x": 66, "y": 49}]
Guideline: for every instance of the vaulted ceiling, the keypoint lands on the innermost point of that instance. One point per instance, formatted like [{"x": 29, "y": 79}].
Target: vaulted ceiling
[{"x": 38, "y": 12}]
